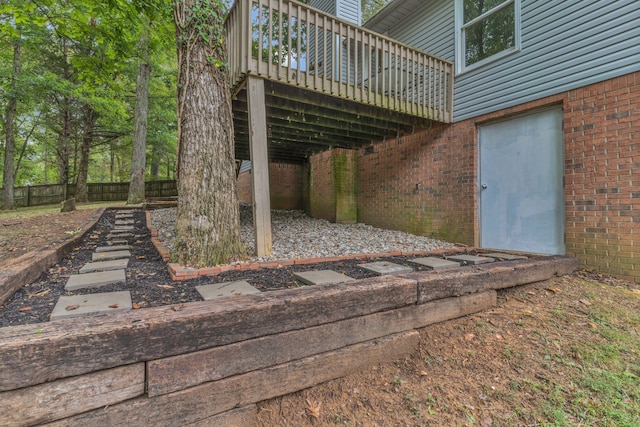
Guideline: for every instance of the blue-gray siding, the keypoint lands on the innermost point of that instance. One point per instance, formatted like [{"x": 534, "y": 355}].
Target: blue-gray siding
[
  {"x": 328, "y": 6},
  {"x": 349, "y": 10},
  {"x": 565, "y": 45}
]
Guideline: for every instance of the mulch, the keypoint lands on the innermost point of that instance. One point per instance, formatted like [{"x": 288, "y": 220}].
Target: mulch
[{"x": 148, "y": 279}]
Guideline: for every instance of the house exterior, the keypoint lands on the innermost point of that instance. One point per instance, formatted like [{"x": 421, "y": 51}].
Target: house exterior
[{"x": 542, "y": 153}]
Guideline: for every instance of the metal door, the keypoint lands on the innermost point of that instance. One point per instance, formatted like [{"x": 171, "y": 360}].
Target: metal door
[{"x": 521, "y": 183}]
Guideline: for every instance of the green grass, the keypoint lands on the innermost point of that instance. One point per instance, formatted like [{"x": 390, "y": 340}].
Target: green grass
[{"x": 605, "y": 385}]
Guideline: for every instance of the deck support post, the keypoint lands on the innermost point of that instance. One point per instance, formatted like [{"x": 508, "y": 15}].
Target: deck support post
[{"x": 259, "y": 165}]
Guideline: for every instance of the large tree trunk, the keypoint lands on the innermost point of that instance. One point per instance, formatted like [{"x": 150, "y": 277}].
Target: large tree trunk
[
  {"x": 138, "y": 155},
  {"x": 208, "y": 225},
  {"x": 9, "y": 121},
  {"x": 90, "y": 118}
]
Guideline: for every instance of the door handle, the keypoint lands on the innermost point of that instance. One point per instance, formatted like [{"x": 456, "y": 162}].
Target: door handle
[{"x": 484, "y": 186}]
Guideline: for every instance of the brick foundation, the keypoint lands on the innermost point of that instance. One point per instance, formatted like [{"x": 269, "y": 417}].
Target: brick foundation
[
  {"x": 285, "y": 186},
  {"x": 426, "y": 183}
]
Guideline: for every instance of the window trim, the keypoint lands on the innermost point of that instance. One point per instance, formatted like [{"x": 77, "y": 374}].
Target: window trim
[{"x": 460, "y": 34}]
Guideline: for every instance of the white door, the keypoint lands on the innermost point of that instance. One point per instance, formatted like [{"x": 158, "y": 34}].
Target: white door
[{"x": 521, "y": 183}]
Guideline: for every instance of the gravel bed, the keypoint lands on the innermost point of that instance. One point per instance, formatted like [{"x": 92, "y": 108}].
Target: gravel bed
[{"x": 296, "y": 235}]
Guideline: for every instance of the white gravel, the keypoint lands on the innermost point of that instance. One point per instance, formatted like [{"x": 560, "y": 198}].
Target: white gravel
[{"x": 296, "y": 235}]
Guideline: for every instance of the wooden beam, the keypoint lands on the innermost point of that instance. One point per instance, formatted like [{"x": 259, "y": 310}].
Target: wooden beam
[
  {"x": 259, "y": 165},
  {"x": 176, "y": 373},
  {"x": 195, "y": 403},
  {"x": 32, "y": 354},
  {"x": 70, "y": 396}
]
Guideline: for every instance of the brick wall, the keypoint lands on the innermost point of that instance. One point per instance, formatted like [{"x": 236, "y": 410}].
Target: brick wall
[
  {"x": 322, "y": 200},
  {"x": 421, "y": 183},
  {"x": 425, "y": 183},
  {"x": 285, "y": 186},
  {"x": 602, "y": 172}
]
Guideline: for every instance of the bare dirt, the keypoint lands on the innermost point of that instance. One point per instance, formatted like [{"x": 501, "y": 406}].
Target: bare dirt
[
  {"x": 561, "y": 352},
  {"x": 20, "y": 234}
]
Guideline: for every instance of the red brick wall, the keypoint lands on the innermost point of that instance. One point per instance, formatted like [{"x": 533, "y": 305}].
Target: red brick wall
[
  {"x": 322, "y": 199},
  {"x": 421, "y": 183},
  {"x": 426, "y": 183},
  {"x": 285, "y": 186},
  {"x": 602, "y": 172}
]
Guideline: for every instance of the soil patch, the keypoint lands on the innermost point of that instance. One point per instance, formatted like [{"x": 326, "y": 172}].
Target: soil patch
[{"x": 25, "y": 233}]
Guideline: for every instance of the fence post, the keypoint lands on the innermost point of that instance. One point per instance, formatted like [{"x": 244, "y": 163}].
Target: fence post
[{"x": 28, "y": 195}]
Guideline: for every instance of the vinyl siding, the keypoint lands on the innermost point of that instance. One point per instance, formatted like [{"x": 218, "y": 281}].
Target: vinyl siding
[
  {"x": 328, "y": 6},
  {"x": 349, "y": 10},
  {"x": 565, "y": 45},
  {"x": 435, "y": 35}
]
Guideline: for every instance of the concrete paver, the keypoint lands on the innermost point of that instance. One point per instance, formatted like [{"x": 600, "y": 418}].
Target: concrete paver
[
  {"x": 116, "y": 264},
  {"x": 110, "y": 255},
  {"x": 83, "y": 305},
  {"x": 436, "y": 263},
  {"x": 321, "y": 277},
  {"x": 123, "y": 222},
  {"x": 95, "y": 280},
  {"x": 117, "y": 242},
  {"x": 119, "y": 235},
  {"x": 385, "y": 268},
  {"x": 122, "y": 228},
  {"x": 112, "y": 248},
  {"x": 226, "y": 289},
  {"x": 471, "y": 259},
  {"x": 508, "y": 257}
]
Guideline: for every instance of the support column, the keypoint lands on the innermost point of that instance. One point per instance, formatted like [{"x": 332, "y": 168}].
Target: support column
[{"x": 259, "y": 165}]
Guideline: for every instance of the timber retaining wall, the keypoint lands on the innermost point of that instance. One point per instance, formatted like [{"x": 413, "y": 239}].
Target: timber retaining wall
[{"x": 210, "y": 362}]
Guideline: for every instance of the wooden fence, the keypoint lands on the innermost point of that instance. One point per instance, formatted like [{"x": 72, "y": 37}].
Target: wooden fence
[{"x": 37, "y": 195}]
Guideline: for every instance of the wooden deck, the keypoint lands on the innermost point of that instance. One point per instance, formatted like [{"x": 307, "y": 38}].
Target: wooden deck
[{"x": 327, "y": 83}]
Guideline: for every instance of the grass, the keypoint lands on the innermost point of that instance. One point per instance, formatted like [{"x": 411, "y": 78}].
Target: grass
[{"x": 604, "y": 389}]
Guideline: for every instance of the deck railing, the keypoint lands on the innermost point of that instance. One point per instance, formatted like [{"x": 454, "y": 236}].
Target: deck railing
[{"x": 288, "y": 41}]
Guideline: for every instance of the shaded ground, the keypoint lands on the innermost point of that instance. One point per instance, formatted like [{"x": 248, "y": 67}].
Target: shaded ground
[
  {"x": 561, "y": 352},
  {"x": 28, "y": 229},
  {"x": 564, "y": 352}
]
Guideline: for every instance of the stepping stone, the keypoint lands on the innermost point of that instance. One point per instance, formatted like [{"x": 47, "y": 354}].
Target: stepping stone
[
  {"x": 95, "y": 280},
  {"x": 471, "y": 259},
  {"x": 110, "y": 255},
  {"x": 321, "y": 277},
  {"x": 508, "y": 257},
  {"x": 436, "y": 263},
  {"x": 123, "y": 228},
  {"x": 385, "y": 268},
  {"x": 117, "y": 242},
  {"x": 124, "y": 222},
  {"x": 124, "y": 215},
  {"x": 226, "y": 289},
  {"x": 119, "y": 235},
  {"x": 84, "y": 305},
  {"x": 112, "y": 248},
  {"x": 116, "y": 264}
]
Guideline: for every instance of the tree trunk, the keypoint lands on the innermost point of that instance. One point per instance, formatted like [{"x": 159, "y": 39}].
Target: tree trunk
[
  {"x": 9, "y": 121},
  {"x": 208, "y": 225},
  {"x": 138, "y": 156},
  {"x": 65, "y": 134},
  {"x": 155, "y": 161},
  {"x": 90, "y": 118}
]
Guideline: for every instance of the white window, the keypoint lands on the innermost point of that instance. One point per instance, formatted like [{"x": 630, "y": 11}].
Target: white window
[{"x": 485, "y": 31}]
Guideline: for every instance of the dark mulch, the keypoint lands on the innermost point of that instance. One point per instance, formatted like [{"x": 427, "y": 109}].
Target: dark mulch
[{"x": 147, "y": 277}]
